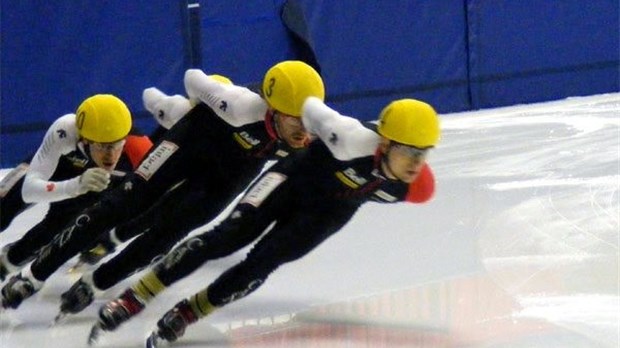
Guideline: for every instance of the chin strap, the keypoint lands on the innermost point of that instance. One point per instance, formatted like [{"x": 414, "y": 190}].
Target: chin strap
[
  {"x": 82, "y": 145},
  {"x": 271, "y": 126}
]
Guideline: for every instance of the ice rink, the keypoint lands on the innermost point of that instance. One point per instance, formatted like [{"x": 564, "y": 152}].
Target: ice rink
[{"x": 519, "y": 248}]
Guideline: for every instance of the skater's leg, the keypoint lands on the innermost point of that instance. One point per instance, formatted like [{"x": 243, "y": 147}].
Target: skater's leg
[
  {"x": 194, "y": 207},
  {"x": 268, "y": 198},
  {"x": 289, "y": 240}
]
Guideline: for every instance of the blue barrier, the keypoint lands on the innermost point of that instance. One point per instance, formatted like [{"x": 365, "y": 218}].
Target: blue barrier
[{"x": 456, "y": 54}]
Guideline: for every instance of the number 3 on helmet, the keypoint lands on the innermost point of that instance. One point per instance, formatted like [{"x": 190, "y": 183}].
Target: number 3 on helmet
[{"x": 287, "y": 85}]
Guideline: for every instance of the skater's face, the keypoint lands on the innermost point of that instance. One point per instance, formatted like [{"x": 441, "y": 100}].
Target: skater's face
[
  {"x": 106, "y": 155},
  {"x": 291, "y": 130},
  {"x": 402, "y": 162}
]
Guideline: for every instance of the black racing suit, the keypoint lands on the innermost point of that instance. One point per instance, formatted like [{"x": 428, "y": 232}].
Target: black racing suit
[
  {"x": 312, "y": 202},
  {"x": 176, "y": 214},
  {"x": 201, "y": 149},
  {"x": 69, "y": 166}
]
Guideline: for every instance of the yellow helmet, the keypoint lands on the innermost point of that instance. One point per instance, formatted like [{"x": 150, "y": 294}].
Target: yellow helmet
[
  {"x": 287, "y": 85},
  {"x": 410, "y": 122},
  {"x": 103, "y": 118},
  {"x": 221, "y": 79}
]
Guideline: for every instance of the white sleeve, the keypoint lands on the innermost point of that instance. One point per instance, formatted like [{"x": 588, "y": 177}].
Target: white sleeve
[
  {"x": 234, "y": 104},
  {"x": 61, "y": 138},
  {"x": 166, "y": 110},
  {"x": 346, "y": 137}
]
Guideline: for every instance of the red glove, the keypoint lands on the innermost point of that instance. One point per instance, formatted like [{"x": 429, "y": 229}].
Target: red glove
[{"x": 423, "y": 187}]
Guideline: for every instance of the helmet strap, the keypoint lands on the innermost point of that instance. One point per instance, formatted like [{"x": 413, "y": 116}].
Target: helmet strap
[
  {"x": 83, "y": 146},
  {"x": 271, "y": 125}
]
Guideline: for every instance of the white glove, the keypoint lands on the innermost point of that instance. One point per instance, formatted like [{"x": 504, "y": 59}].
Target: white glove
[
  {"x": 150, "y": 97},
  {"x": 94, "y": 179},
  {"x": 167, "y": 110},
  {"x": 316, "y": 114}
]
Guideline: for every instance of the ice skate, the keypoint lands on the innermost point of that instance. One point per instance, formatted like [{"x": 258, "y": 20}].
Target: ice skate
[
  {"x": 17, "y": 290},
  {"x": 116, "y": 312},
  {"x": 74, "y": 300},
  {"x": 173, "y": 324},
  {"x": 95, "y": 333},
  {"x": 78, "y": 267},
  {"x": 154, "y": 341}
]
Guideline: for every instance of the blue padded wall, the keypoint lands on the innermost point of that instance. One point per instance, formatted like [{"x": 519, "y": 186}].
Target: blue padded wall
[
  {"x": 530, "y": 51},
  {"x": 456, "y": 54},
  {"x": 242, "y": 39},
  {"x": 374, "y": 52},
  {"x": 57, "y": 53}
]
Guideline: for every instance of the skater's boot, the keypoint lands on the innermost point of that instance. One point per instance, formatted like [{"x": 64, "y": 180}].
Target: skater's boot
[
  {"x": 172, "y": 325},
  {"x": 19, "y": 288},
  {"x": 118, "y": 311},
  {"x": 78, "y": 297}
]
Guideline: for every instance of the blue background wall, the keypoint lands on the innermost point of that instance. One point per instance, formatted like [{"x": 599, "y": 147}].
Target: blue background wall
[{"x": 456, "y": 54}]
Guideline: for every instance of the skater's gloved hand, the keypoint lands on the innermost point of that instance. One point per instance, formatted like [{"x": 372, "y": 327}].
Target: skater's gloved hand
[
  {"x": 93, "y": 179},
  {"x": 167, "y": 110}
]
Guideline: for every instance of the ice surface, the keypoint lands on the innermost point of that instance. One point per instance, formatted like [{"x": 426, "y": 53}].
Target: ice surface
[{"x": 519, "y": 248}]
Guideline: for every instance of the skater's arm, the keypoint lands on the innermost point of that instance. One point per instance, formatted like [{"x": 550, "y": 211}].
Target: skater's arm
[
  {"x": 61, "y": 138},
  {"x": 234, "y": 104},
  {"x": 167, "y": 110},
  {"x": 346, "y": 137}
]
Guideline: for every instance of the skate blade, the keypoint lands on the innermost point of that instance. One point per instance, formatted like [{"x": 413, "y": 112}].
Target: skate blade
[
  {"x": 95, "y": 334},
  {"x": 79, "y": 267},
  {"x": 154, "y": 341},
  {"x": 61, "y": 318}
]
